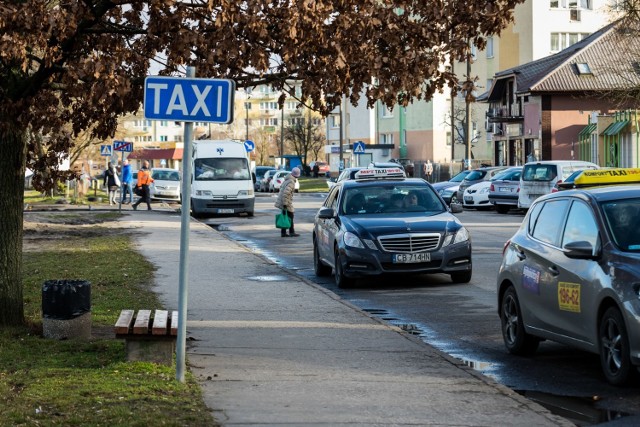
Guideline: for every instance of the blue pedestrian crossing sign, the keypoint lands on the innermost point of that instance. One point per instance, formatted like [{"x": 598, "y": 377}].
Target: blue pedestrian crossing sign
[
  {"x": 358, "y": 147},
  {"x": 188, "y": 99},
  {"x": 105, "y": 150},
  {"x": 249, "y": 145}
]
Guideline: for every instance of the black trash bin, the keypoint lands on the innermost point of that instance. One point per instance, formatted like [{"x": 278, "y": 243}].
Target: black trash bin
[{"x": 66, "y": 309}]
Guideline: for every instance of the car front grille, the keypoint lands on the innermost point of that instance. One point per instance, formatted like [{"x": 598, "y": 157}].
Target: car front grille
[{"x": 408, "y": 243}]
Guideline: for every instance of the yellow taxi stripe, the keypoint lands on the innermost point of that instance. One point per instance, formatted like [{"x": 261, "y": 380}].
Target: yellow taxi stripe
[{"x": 608, "y": 176}]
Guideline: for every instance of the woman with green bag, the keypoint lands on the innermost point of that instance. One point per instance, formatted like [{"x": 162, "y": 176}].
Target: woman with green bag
[{"x": 284, "y": 202}]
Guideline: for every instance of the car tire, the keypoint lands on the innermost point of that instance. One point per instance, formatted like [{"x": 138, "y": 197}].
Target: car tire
[
  {"x": 319, "y": 268},
  {"x": 461, "y": 276},
  {"x": 501, "y": 209},
  {"x": 516, "y": 339},
  {"x": 250, "y": 213},
  {"x": 342, "y": 281},
  {"x": 454, "y": 199},
  {"x": 615, "y": 356}
]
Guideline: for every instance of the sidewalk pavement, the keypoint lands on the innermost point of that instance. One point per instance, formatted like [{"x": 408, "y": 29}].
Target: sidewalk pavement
[{"x": 271, "y": 348}]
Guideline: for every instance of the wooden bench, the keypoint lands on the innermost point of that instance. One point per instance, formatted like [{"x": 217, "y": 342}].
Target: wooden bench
[{"x": 150, "y": 336}]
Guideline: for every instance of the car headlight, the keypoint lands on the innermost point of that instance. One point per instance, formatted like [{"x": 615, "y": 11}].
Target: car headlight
[
  {"x": 204, "y": 193},
  {"x": 244, "y": 193},
  {"x": 484, "y": 190},
  {"x": 460, "y": 236},
  {"x": 352, "y": 240}
]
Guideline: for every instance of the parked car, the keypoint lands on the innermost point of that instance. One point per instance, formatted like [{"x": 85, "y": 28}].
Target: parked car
[
  {"x": 571, "y": 274},
  {"x": 278, "y": 179},
  {"x": 362, "y": 229},
  {"x": 477, "y": 175},
  {"x": 477, "y": 196},
  {"x": 266, "y": 179},
  {"x": 504, "y": 189},
  {"x": 258, "y": 174},
  {"x": 166, "y": 184},
  {"x": 348, "y": 173},
  {"x": 539, "y": 178},
  {"x": 568, "y": 183},
  {"x": 448, "y": 190},
  {"x": 387, "y": 165}
]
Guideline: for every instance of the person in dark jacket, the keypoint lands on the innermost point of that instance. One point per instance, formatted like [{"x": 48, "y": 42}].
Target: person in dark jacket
[{"x": 112, "y": 182}]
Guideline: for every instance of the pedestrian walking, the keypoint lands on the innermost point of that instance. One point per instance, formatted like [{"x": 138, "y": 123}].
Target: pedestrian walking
[
  {"x": 144, "y": 180},
  {"x": 428, "y": 170},
  {"x": 285, "y": 200},
  {"x": 126, "y": 182},
  {"x": 112, "y": 182}
]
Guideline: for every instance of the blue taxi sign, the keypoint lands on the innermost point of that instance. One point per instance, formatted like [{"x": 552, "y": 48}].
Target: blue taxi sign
[{"x": 188, "y": 99}]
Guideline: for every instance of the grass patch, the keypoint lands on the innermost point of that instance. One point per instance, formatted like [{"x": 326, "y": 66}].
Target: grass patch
[
  {"x": 88, "y": 383},
  {"x": 35, "y": 198},
  {"x": 313, "y": 185}
]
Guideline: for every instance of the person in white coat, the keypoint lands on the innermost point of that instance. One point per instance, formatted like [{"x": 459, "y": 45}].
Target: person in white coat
[{"x": 285, "y": 200}]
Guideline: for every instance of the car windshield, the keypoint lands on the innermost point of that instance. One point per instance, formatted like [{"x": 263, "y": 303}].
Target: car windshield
[
  {"x": 459, "y": 177},
  {"x": 165, "y": 175},
  {"x": 383, "y": 199},
  {"x": 475, "y": 175},
  {"x": 623, "y": 221},
  {"x": 221, "y": 169}
]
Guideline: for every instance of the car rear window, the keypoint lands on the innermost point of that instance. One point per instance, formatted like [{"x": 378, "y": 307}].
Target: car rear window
[
  {"x": 539, "y": 173},
  {"x": 475, "y": 175}
]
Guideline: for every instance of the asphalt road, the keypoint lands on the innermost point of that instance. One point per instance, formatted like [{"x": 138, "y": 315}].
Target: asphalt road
[{"x": 461, "y": 320}]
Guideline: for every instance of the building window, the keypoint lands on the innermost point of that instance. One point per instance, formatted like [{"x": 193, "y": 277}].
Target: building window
[
  {"x": 268, "y": 105},
  {"x": 571, "y": 4},
  {"x": 583, "y": 68},
  {"x": 334, "y": 121},
  {"x": 560, "y": 41},
  {"x": 386, "y": 138},
  {"x": 178, "y": 138},
  {"x": 489, "y": 47},
  {"x": 386, "y": 112},
  {"x": 163, "y": 138}
]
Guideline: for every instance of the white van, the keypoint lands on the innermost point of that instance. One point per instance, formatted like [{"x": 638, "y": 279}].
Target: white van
[
  {"x": 538, "y": 178},
  {"x": 221, "y": 181}
]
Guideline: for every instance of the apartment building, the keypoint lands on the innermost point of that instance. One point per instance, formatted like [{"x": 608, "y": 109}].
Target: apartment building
[{"x": 425, "y": 130}]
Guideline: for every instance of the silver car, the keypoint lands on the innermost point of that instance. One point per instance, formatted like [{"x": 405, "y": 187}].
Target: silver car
[
  {"x": 503, "y": 192},
  {"x": 476, "y": 176},
  {"x": 571, "y": 274}
]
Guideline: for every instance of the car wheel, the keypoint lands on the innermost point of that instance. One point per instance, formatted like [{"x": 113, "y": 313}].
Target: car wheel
[
  {"x": 502, "y": 209},
  {"x": 454, "y": 199},
  {"x": 341, "y": 280},
  {"x": 614, "y": 348},
  {"x": 516, "y": 340},
  {"x": 250, "y": 213},
  {"x": 195, "y": 213},
  {"x": 461, "y": 276},
  {"x": 319, "y": 268}
]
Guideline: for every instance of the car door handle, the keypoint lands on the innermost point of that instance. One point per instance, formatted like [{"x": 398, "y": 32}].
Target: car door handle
[
  {"x": 520, "y": 254},
  {"x": 554, "y": 270}
]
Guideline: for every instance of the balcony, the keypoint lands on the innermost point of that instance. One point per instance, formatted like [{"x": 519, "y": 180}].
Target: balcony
[{"x": 505, "y": 113}]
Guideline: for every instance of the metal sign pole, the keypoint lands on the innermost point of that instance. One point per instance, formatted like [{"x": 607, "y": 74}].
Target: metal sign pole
[
  {"x": 184, "y": 246},
  {"x": 121, "y": 183}
]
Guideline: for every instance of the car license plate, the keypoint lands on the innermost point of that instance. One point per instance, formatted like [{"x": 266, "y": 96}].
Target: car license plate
[
  {"x": 411, "y": 258},
  {"x": 506, "y": 189},
  {"x": 225, "y": 211}
]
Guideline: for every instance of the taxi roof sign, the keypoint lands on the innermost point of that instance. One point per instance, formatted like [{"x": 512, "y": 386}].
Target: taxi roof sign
[
  {"x": 591, "y": 177},
  {"x": 379, "y": 173}
]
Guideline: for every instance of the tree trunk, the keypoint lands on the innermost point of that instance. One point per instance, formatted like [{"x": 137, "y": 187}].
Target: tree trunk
[{"x": 13, "y": 151}]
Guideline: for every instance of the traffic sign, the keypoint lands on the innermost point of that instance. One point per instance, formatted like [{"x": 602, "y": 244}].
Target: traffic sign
[
  {"x": 123, "y": 146},
  {"x": 358, "y": 147},
  {"x": 105, "y": 150},
  {"x": 249, "y": 145},
  {"x": 189, "y": 99}
]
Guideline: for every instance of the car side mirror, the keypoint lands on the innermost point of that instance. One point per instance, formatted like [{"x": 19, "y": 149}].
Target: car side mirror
[
  {"x": 326, "y": 213},
  {"x": 580, "y": 250},
  {"x": 456, "y": 208}
]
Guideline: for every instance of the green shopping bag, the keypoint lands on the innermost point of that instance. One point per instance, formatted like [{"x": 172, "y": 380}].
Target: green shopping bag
[{"x": 283, "y": 220}]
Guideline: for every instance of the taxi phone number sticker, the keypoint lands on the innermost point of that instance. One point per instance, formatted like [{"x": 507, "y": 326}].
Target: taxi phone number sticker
[{"x": 569, "y": 296}]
